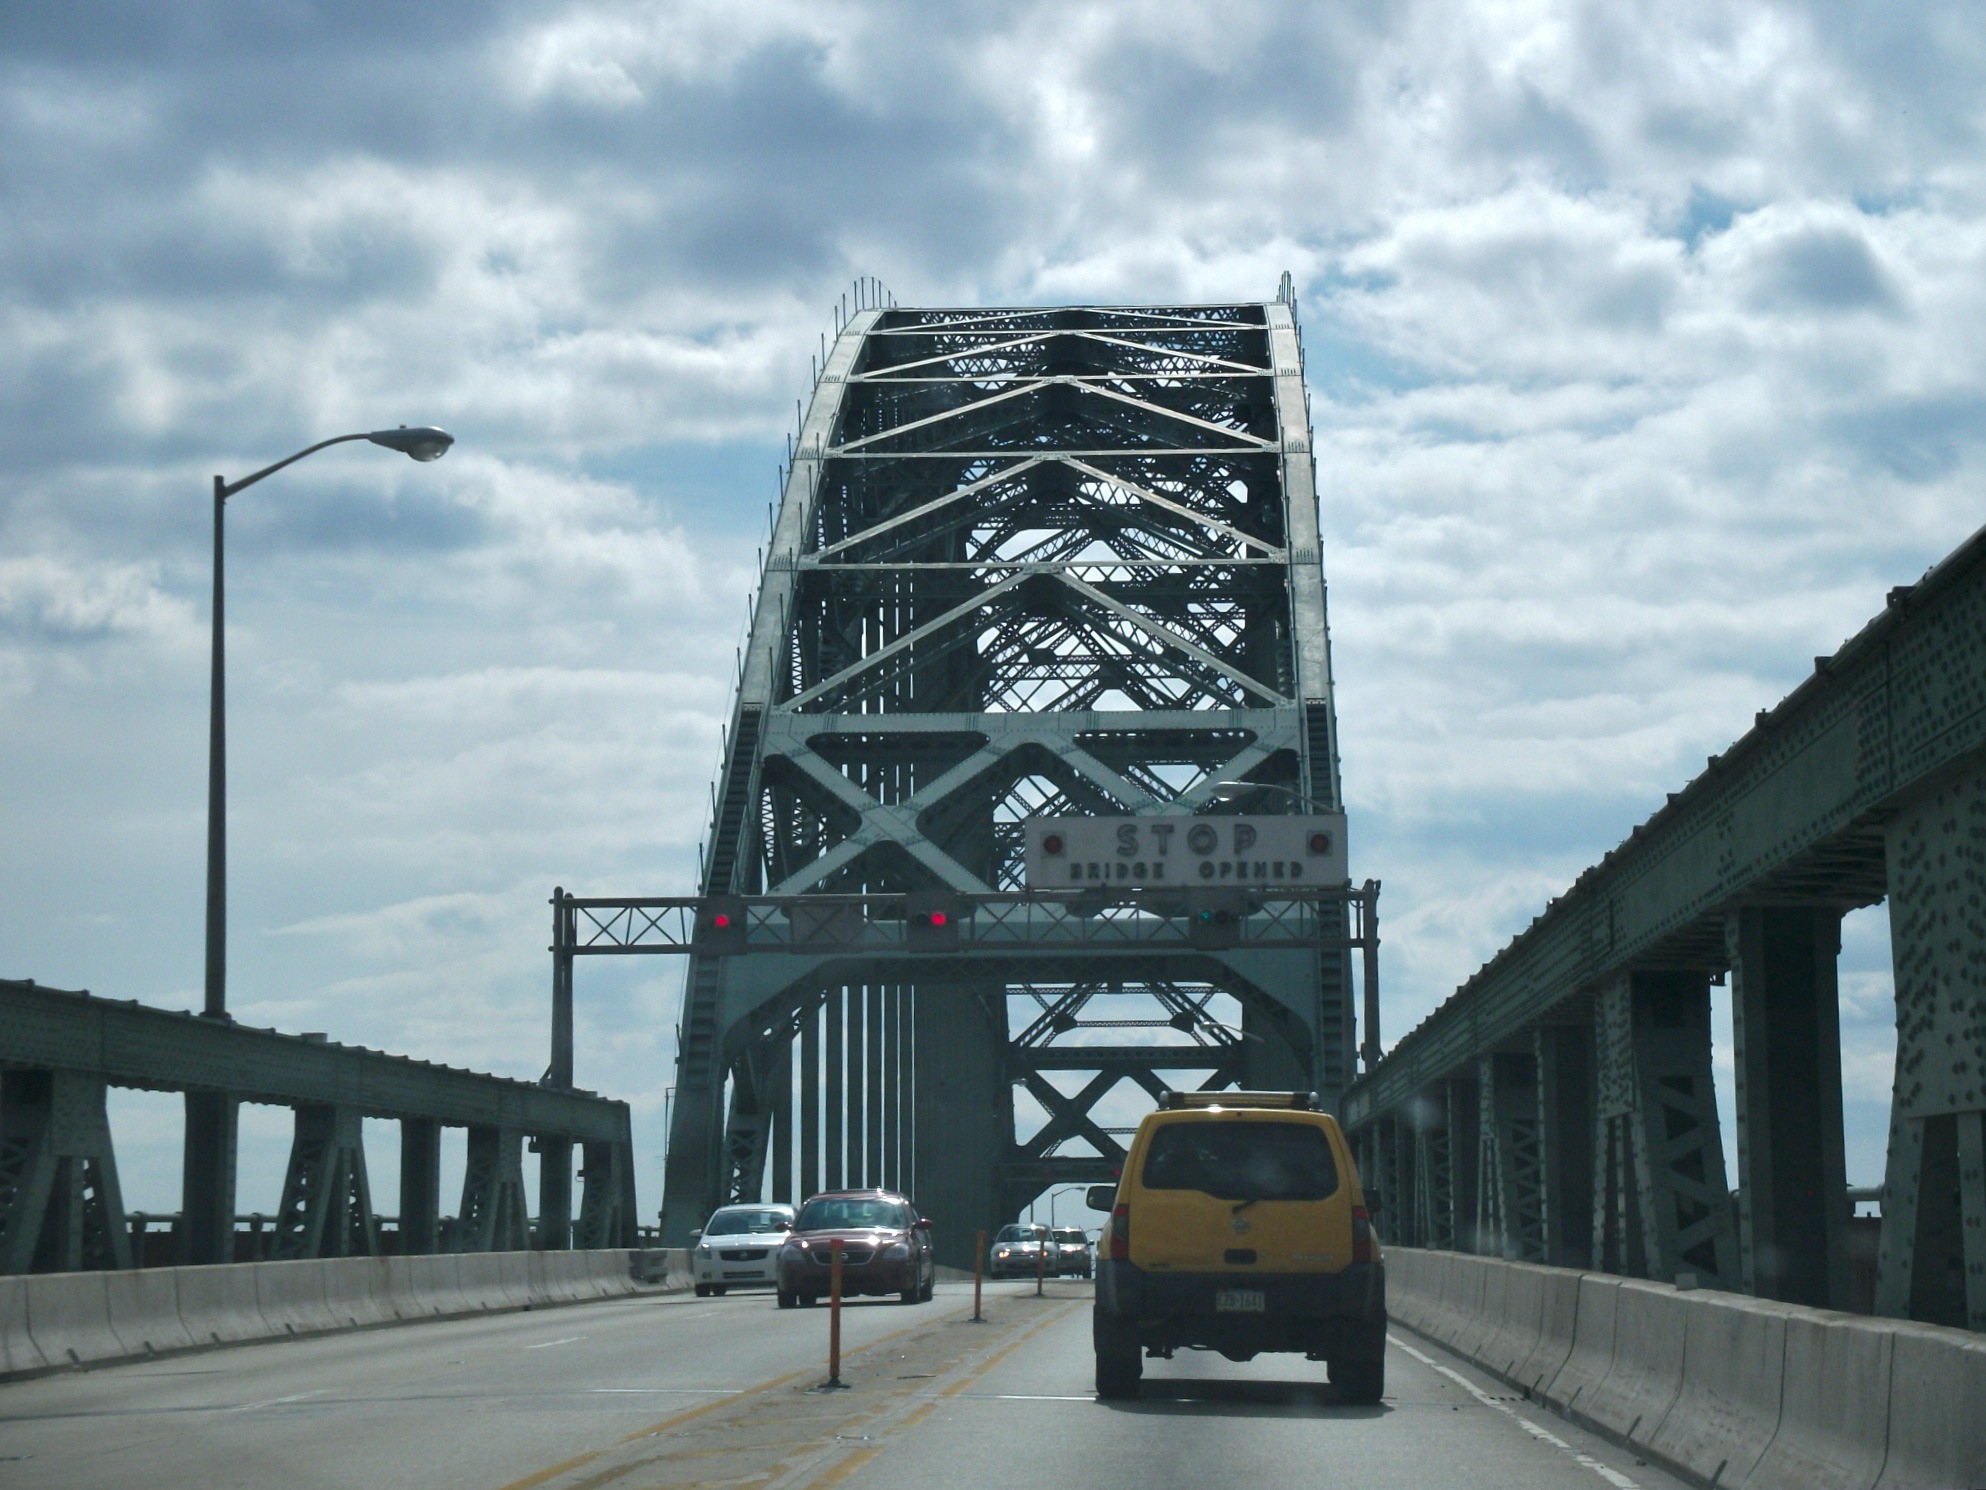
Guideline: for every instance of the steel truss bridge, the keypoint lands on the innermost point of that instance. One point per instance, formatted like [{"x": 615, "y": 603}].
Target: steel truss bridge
[
  {"x": 61, "y": 1203},
  {"x": 1025, "y": 562},
  {"x": 1558, "y": 1107}
]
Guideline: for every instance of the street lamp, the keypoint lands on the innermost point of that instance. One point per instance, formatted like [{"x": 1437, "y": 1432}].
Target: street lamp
[
  {"x": 1056, "y": 1195},
  {"x": 423, "y": 443}
]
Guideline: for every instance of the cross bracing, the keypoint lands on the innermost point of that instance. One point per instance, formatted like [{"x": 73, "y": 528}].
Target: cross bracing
[{"x": 1027, "y": 562}]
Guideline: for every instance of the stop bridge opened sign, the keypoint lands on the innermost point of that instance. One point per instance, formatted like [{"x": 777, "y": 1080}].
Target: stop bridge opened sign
[{"x": 1283, "y": 851}]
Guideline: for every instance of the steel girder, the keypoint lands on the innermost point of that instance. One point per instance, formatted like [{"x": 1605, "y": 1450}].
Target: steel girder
[{"x": 1026, "y": 562}]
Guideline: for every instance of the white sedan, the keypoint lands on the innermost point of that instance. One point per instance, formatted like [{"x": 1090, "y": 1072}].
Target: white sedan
[{"x": 739, "y": 1248}]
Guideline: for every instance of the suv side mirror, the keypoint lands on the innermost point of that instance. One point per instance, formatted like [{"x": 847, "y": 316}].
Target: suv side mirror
[
  {"x": 784, "y": 1226},
  {"x": 696, "y": 1233},
  {"x": 923, "y": 1223},
  {"x": 1372, "y": 1199},
  {"x": 1101, "y": 1197}
]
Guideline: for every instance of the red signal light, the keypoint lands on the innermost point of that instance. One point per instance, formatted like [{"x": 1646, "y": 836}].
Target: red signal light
[
  {"x": 1052, "y": 844},
  {"x": 720, "y": 921},
  {"x": 939, "y": 918},
  {"x": 1320, "y": 843}
]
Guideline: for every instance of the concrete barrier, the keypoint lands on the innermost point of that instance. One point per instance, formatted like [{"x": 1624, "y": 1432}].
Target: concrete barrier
[
  {"x": 291, "y": 1297},
  {"x": 1937, "y": 1409},
  {"x": 217, "y": 1304},
  {"x": 49, "y": 1321},
  {"x": 479, "y": 1282},
  {"x": 1834, "y": 1405},
  {"x": 1514, "y": 1302},
  {"x": 1592, "y": 1354},
  {"x": 1558, "y": 1323},
  {"x": 69, "y": 1319},
  {"x": 358, "y": 1291},
  {"x": 1726, "y": 1408},
  {"x": 1647, "y": 1370},
  {"x": 143, "y": 1305},
  {"x": 18, "y": 1352}
]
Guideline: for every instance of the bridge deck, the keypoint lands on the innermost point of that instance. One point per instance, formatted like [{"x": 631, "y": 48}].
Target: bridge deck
[{"x": 573, "y": 1395}]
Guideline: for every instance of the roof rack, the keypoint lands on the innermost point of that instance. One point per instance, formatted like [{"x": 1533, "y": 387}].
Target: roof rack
[{"x": 1298, "y": 1101}]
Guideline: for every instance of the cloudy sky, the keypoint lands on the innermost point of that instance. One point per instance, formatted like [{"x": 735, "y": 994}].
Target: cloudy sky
[{"x": 1645, "y": 345}]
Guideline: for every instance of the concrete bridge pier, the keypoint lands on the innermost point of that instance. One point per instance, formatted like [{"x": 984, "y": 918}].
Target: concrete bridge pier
[{"x": 1932, "y": 1262}]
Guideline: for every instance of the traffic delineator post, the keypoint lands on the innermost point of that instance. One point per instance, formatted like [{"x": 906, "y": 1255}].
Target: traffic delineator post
[
  {"x": 834, "y": 1381},
  {"x": 978, "y": 1272},
  {"x": 1040, "y": 1264}
]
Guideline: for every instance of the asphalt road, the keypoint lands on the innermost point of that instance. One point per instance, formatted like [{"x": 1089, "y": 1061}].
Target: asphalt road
[{"x": 680, "y": 1391}]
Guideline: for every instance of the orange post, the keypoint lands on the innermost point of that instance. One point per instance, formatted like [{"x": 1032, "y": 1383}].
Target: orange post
[
  {"x": 834, "y": 1313},
  {"x": 978, "y": 1271},
  {"x": 1040, "y": 1265}
]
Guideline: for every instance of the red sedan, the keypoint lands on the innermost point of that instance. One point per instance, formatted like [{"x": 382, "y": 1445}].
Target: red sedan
[{"x": 885, "y": 1248}]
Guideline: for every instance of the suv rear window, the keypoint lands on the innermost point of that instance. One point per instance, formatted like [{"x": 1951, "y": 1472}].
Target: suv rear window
[{"x": 1242, "y": 1161}]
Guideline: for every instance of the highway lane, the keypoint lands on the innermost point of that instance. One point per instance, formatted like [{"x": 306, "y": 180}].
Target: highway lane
[{"x": 679, "y": 1391}]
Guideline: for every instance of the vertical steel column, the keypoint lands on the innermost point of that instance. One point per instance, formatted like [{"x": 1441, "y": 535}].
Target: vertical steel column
[
  {"x": 1565, "y": 1129},
  {"x": 1932, "y": 1259},
  {"x": 61, "y": 1209},
  {"x": 896, "y": 1078},
  {"x": 872, "y": 1102},
  {"x": 781, "y": 1097},
  {"x": 420, "y": 1186},
  {"x": 1434, "y": 1171},
  {"x": 326, "y": 1210},
  {"x": 1464, "y": 1160},
  {"x": 858, "y": 1115},
  {"x": 810, "y": 1104},
  {"x": 835, "y": 1047},
  {"x": 554, "y": 1233},
  {"x": 961, "y": 1079},
  {"x": 492, "y": 1218},
  {"x": 1660, "y": 1203},
  {"x": 1510, "y": 1195},
  {"x": 207, "y": 1177},
  {"x": 1792, "y": 1180},
  {"x": 606, "y": 1207}
]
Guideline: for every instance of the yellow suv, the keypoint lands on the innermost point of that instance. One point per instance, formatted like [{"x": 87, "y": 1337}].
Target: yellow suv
[{"x": 1239, "y": 1225}]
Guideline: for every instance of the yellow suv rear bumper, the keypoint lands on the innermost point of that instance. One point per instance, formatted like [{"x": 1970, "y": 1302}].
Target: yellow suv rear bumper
[{"x": 1331, "y": 1315}]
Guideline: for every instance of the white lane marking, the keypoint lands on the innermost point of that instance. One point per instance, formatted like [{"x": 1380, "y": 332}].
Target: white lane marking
[
  {"x": 667, "y": 1391},
  {"x": 1606, "y": 1472},
  {"x": 569, "y": 1340},
  {"x": 1023, "y": 1397},
  {"x": 277, "y": 1401}
]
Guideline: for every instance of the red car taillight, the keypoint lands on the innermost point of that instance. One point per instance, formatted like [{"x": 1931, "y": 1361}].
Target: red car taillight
[
  {"x": 1120, "y": 1234},
  {"x": 1361, "y": 1234}
]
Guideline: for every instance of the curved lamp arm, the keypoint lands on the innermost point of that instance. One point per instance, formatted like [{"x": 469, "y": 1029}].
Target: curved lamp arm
[{"x": 422, "y": 443}]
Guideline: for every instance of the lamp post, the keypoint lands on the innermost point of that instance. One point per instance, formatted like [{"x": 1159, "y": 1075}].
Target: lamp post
[
  {"x": 207, "y": 1177},
  {"x": 422, "y": 444}
]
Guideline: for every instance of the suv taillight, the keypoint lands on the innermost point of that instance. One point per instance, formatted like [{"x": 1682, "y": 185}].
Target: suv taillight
[
  {"x": 1120, "y": 1234},
  {"x": 1361, "y": 1234}
]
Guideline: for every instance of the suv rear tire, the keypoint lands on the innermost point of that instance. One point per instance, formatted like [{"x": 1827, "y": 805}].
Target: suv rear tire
[
  {"x": 1359, "y": 1383},
  {"x": 1120, "y": 1362},
  {"x": 788, "y": 1300}
]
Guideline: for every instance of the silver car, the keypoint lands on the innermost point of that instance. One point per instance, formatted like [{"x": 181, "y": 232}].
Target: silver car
[
  {"x": 1017, "y": 1252},
  {"x": 1072, "y": 1246},
  {"x": 739, "y": 1248}
]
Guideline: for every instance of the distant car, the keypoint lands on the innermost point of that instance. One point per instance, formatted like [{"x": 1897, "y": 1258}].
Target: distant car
[
  {"x": 1017, "y": 1252},
  {"x": 1072, "y": 1246},
  {"x": 739, "y": 1248},
  {"x": 885, "y": 1249}
]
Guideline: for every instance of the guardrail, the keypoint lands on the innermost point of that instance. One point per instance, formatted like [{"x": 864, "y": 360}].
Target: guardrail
[
  {"x": 1722, "y": 1388},
  {"x": 59, "y": 1321}
]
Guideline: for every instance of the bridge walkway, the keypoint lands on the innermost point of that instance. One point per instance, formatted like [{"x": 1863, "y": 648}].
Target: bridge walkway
[{"x": 674, "y": 1391}]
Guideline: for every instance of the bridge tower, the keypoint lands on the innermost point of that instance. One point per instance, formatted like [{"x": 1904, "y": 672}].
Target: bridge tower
[{"x": 1027, "y": 562}]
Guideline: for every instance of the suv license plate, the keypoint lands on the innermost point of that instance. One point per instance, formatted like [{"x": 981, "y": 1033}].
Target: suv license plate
[{"x": 1239, "y": 1301}]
